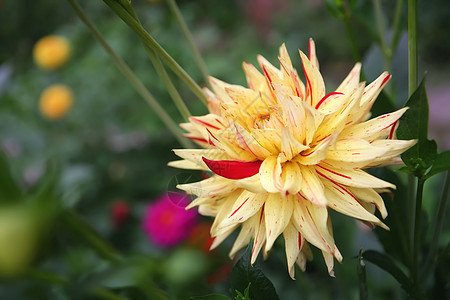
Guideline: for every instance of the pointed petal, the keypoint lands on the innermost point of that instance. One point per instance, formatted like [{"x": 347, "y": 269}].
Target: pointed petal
[
  {"x": 312, "y": 187},
  {"x": 278, "y": 212},
  {"x": 329, "y": 260},
  {"x": 312, "y": 54},
  {"x": 255, "y": 79},
  {"x": 244, "y": 207},
  {"x": 354, "y": 153},
  {"x": 233, "y": 169},
  {"x": 343, "y": 201},
  {"x": 224, "y": 210},
  {"x": 248, "y": 142},
  {"x": 225, "y": 140},
  {"x": 315, "y": 87},
  {"x": 313, "y": 120},
  {"x": 292, "y": 178},
  {"x": 220, "y": 238},
  {"x": 370, "y": 196},
  {"x": 186, "y": 164},
  {"x": 374, "y": 128},
  {"x": 195, "y": 155},
  {"x": 252, "y": 184},
  {"x": 244, "y": 236},
  {"x": 317, "y": 153},
  {"x": 294, "y": 117},
  {"x": 290, "y": 147},
  {"x": 354, "y": 178},
  {"x": 259, "y": 236},
  {"x": 351, "y": 81},
  {"x": 306, "y": 225},
  {"x": 270, "y": 174},
  {"x": 214, "y": 186},
  {"x": 293, "y": 241},
  {"x": 394, "y": 149}
]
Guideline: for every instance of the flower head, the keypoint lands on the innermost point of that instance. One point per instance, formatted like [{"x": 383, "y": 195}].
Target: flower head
[
  {"x": 167, "y": 222},
  {"x": 51, "y": 52},
  {"x": 282, "y": 152},
  {"x": 56, "y": 101}
]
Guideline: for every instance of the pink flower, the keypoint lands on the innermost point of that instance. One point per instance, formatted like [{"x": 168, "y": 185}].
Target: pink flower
[{"x": 166, "y": 221}]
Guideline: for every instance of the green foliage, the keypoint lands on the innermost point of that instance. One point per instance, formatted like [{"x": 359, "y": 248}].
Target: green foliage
[
  {"x": 244, "y": 274},
  {"x": 414, "y": 125}
]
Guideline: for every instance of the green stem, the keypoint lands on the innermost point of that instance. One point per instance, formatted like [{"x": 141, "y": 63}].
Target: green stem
[
  {"x": 387, "y": 55},
  {"x": 182, "y": 108},
  {"x": 396, "y": 26},
  {"x": 351, "y": 37},
  {"x": 412, "y": 46},
  {"x": 148, "y": 40},
  {"x": 140, "y": 88},
  {"x": 417, "y": 240},
  {"x": 431, "y": 259},
  {"x": 187, "y": 34},
  {"x": 90, "y": 236}
]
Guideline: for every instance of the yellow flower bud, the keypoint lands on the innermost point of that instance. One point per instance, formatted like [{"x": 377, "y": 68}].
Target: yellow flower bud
[
  {"x": 55, "y": 101},
  {"x": 51, "y": 52}
]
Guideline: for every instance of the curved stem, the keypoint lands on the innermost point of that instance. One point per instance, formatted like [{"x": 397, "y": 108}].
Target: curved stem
[
  {"x": 417, "y": 240},
  {"x": 140, "y": 88},
  {"x": 437, "y": 226},
  {"x": 90, "y": 236},
  {"x": 148, "y": 40},
  {"x": 187, "y": 34},
  {"x": 396, "y": 26},
  {"x": 412, "y": 46},
  {"x": 182, "y": 108}
]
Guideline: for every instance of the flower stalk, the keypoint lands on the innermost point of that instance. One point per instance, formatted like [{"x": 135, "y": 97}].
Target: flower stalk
[
  {"x": 123, "y": 11},
  {"x": 187, "y": 34},
  {"x": 137, "y": 84}
]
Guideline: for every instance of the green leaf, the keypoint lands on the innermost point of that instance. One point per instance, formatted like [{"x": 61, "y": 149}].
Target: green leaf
[
  {"x": 414, "y": 125},
  {"x": 441, "y": 164},
  {"x": 246, "y": 295},
  {"x": 9, "y": 190},
  {"x": 389, "y": 265},
  {"x": 335, "y": 8},
  {"x": 244, "y": 273},
  {"x": 383, "y": 105}
]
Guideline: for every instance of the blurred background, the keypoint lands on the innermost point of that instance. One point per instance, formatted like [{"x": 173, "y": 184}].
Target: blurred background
[{"x": 72, "y": 119}]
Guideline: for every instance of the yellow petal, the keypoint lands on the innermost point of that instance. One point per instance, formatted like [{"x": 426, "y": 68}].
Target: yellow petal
[
  {"x": 354, "y": 153},
  {"x": 212, "y": 187},
  {"x": 313, "y": 120},
  {"x": 196, "y": 155},
  {"x": 370, "y": 196},
  {"x": 374, "y": 128},
  {"x": 224, "y": 210},
  {"x": 294, "y": 117},
  {"x": 343, "y": 201},
  {"x": 292, "y": 178},
  {"x": 244, "y": 236},
  {"x": 312, "y": 187},
  {"x": 317, "y": 153},
  {"x": 293, "y": 243},
  {"x": 245, "y": 206},
  {"x": 259, "y": 237},
  {"x": 186, "y": 164},
  {"x": 290, "y": 146},
  {"x": 306, "y": 225},
  {"x": 220, "y": 238},
  {"x": 315, "y": 87},
  {"x": 270, "y": 174},
  {"x": 354, "y": 178},
  {"x": 277, "y": 212},
  {"x": 255, "y": 79},
  {"x": 248, "y": 142},
  {"x": 351, "y": 81}
]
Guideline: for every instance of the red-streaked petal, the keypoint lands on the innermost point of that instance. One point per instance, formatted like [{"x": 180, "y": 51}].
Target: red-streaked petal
[{"x": 233, "y": 169}]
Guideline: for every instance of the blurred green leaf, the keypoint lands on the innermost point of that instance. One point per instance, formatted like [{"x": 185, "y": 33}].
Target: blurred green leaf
[
  {"x": 245, "y": 296},
  {"x": 9, "y": 190},
  {"x": 441, "y": 164},
  {"x": 243, "y": 274},
  {"x": 389, "y": 265},
  {"x": 335, "y": 8},
  {"x": 211, "y": 297},
  {"x": 395, "y": 240},
  {"x": 414, "y": 125}
]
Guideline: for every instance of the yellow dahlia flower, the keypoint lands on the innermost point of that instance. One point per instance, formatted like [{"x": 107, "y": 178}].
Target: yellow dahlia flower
[{"x": 282, "y": 152}]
